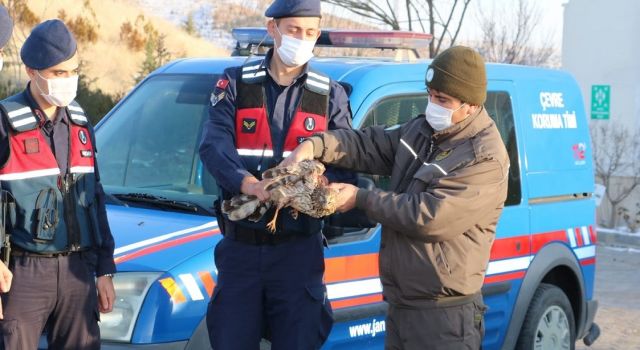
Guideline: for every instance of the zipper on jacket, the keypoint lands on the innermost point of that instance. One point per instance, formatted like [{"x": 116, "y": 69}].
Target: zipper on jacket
[
  {"x": 71, "y": 218},
  {"x": 73, "y": 234},
  {"x": 430, "y": 149}
]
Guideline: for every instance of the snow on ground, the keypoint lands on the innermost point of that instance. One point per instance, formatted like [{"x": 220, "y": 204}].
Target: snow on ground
[{"x": 622, "y": 230}]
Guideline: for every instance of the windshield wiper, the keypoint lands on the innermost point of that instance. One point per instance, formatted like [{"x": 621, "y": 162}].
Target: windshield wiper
[{"x": 158, "y": 201}]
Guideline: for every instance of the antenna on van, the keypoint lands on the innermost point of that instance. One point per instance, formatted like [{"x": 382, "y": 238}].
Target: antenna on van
[{"x": 253, "y": 50}]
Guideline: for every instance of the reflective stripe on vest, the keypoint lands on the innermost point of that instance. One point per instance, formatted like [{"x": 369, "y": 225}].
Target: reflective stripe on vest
[{"x": 38, "y": 218}]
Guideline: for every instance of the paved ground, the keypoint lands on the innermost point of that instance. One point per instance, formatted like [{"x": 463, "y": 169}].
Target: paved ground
[{"x": 618, "y": 292}]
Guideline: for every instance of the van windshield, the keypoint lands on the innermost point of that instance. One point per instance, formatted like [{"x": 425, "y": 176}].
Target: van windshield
[{"x": 148, "y": 147}]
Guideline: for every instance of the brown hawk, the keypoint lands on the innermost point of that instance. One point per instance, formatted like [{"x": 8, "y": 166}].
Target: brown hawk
[{"x": 300, "y": 186}]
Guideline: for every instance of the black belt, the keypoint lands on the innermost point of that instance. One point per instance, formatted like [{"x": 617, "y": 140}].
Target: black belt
[
  {"x": 15, "y": 251},
  {"x": 259, "y": 237}
]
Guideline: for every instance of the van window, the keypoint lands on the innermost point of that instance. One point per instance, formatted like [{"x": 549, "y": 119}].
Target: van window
[
  {"x": 150, "y": 144},
  {"x": 396, "y": 110},
  {"x": 402, "y": 108},
  {"x": 499, "y": 107}
]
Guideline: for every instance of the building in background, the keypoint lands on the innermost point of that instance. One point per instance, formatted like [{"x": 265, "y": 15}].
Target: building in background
[{"x": 600, "y": 49}]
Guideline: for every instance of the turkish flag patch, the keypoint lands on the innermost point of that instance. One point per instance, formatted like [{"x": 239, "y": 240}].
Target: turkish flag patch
[
  {"x": 31, "y": 146},
  {"x": 222, "y": 83}
]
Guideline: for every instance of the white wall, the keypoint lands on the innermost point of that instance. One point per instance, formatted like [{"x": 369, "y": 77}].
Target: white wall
[{"x": 601, "y": 46}]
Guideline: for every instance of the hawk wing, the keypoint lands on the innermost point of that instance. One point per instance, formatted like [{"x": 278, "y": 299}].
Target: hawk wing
[{"x": 244, "y": 207}]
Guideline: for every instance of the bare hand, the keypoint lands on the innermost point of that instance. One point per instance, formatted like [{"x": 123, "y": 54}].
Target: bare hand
[
  {"x": 106, "y": 294},
  {"x": 5, "y": 278},
  {"x": 5, "y": 283},
  {"x": 304, "y": 151},
  {"x": 252, "y": 186},
  {"x": 346, "y": 199}
]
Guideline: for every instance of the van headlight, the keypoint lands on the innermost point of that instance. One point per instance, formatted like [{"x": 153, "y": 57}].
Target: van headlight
[{"x": 131, "y": 289}]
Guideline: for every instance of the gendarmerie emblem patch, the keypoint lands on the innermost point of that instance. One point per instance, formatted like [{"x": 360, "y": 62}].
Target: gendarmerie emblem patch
[
  {"x": 249, "y": 125},
  {"x": 82, "y": 136},
  {"x": 309, "y": 124}
]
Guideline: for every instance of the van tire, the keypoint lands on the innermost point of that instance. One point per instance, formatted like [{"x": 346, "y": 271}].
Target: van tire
[{"x": 549, "y": 304}]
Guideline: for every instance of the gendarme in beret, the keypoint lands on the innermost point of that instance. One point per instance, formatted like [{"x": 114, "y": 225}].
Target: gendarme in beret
[
  {"x": 294, "y": 8},
  {"x": 459, "y": 71},
  {"x": 49, "y": 44},
  {"x": 6, "y": 26}
]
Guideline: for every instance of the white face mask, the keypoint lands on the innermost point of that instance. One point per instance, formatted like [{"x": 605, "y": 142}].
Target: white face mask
[
  {"x": 294, "y": 52},
  {"x": 439, "y": 117},
  {"x": 61, "y": 90},
  {"x": 1, "y": 62}
]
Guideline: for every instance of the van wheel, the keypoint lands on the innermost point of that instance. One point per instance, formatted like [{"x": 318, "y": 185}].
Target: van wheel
[{"x": 549, "y": 323}]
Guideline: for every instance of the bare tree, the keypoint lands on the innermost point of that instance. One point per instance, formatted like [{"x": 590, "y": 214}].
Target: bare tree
[
  {"x": 616, "y": 152},
  {"x": 448, "y": 18},
  {"x": 508, "y": 42}
]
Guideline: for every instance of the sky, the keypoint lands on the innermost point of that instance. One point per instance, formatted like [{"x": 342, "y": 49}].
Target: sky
[{"x": 551, "y": 13}]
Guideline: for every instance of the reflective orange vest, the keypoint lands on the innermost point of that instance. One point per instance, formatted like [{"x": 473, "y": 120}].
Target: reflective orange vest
[
  {"x": 49, "y": 212},
  {"x": 253, "y": 133}
]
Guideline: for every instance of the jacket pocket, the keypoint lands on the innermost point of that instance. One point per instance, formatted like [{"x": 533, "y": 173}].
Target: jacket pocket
[
  {"x": 46, "y": 215},
  {"x": 318, "y": 305},
  {"x": 422, "y": 178},
  {"x": 439, "y": 249}
]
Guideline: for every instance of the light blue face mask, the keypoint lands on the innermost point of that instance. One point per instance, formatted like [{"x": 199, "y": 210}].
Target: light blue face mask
[
  {"x": 439, "y": 117},
  {"x": 294, "y": 52}
]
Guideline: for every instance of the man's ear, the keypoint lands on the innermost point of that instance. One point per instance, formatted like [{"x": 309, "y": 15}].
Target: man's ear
[
  {"x": 473, "y": 109},
  {"x": 271, "y": 23},
  {"x": 271, "y": 29},
  {"x": 30, "y": 72}
]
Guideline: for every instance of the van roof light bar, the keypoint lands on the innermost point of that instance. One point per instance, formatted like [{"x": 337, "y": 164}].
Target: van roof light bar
[{"x": 249, "y": 37}]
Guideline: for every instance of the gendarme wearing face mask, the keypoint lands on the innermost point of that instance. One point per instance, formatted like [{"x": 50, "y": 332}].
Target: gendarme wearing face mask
[
  {"x": 51, "y": 62},
  {"x": 48, "y": 154},
  {"x": 59, "y": 91},
  {"x": 294, "y": 52}
]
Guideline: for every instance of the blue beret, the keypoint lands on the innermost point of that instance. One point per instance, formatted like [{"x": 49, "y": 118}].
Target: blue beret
[
  {"x": 294, "y": 8},
  {"x": 6, "y": 26},
  {"x": 49, "y": 43}
]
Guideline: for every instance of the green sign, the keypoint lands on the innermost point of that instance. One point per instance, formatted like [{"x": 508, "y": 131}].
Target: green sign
[{"x": 600, "y": 101}]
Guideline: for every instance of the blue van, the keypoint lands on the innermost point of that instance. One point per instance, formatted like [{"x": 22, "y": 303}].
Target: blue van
[{"x": 539, "y": 282}]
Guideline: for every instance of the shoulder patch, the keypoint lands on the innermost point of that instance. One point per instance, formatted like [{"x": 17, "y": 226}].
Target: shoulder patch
[
  {"x": 19, "y": 114},
  {"x": 222, "y": 83},
  {"x": 318, "y": 83},
  {"x": 253, "y": 72},
  {"x": 217, "y": 97},
  {"x": 77, "y": 114}
]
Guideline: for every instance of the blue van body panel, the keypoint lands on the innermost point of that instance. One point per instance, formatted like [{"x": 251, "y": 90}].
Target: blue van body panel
[
  {"x": 162, "y": 321},
  {"x": 132, "y": 227}
]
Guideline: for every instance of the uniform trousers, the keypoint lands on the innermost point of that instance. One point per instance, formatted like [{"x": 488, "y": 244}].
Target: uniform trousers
[
  {"x": 273, "y": 289},
  {"x": 440, "y": 328},
  {"x": 52, "y": 294}
]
